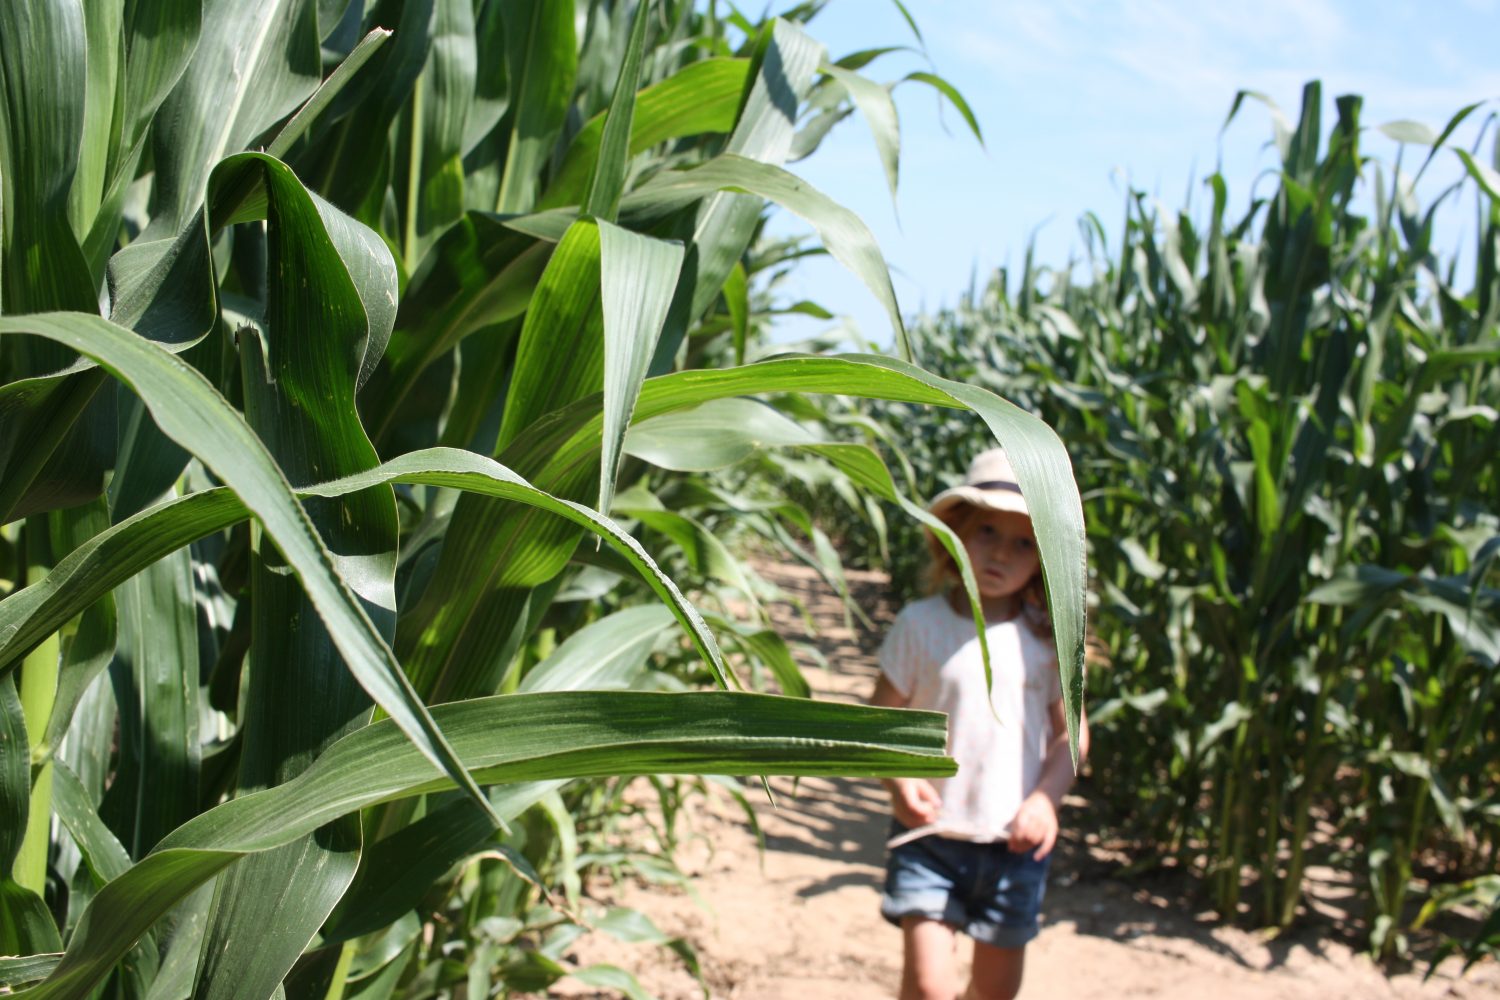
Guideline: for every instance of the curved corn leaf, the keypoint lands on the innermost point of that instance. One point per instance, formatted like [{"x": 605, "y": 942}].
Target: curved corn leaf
[
  {"x": 503, "y": 739},
  {"x": 30, "y": 615},
  {"x": 714, "y": 435},
  {"x": 321, "y": 334},
  {"x": 879, "y": 111},
  {"x": 330, "y": 88},
  {"x": 1040, "y": 459},
  {"x": 847, "y": 238},
  {"x": 767, "y": 646},
  {"x": 705, "y": 552},
  {"x": 193, "y": 414},
  {"x": 952, "y": 93},
  {"x": 488, "y": 566}
]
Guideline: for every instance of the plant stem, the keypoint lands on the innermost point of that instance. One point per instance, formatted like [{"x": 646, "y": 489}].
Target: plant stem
[{"x": 38, "y": 690}]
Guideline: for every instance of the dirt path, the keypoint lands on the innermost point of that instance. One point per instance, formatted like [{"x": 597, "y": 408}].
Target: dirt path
[{"x": 803, "y": 921}]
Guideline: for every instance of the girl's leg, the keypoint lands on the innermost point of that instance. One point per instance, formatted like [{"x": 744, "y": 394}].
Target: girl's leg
[
  {"x": 997, "y": 972},
  {"x": 928, "y": 972}
]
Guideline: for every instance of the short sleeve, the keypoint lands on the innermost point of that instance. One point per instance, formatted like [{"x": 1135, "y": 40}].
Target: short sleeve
[{"x": 898, "y": 653}]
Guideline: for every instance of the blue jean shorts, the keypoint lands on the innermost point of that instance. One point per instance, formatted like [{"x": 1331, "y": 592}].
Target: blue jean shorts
[{"x": 987, "y": 891}]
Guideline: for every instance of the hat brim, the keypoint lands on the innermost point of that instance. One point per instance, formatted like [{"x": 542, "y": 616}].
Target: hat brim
[{"x": 985, "y": 499}]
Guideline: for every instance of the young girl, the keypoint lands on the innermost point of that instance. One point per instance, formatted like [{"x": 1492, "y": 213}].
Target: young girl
[{"x": 970, "y": 853}]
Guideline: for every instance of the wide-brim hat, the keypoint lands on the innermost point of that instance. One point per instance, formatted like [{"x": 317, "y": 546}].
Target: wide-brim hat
[{"x": 990, "y": 484}]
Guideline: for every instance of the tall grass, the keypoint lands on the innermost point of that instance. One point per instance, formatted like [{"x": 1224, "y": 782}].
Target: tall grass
[{"x": 1284, "y": 426}]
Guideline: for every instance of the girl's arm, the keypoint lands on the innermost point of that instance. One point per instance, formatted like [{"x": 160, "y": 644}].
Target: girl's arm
[
  {"x": 914, "y": 800},
  {"x": 1035, "y": 825}
]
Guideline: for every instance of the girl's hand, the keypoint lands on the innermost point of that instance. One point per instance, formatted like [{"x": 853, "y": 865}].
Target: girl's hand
[
  {"x": 1035, "y": 826},
  {"x": 914, "y": 801}
]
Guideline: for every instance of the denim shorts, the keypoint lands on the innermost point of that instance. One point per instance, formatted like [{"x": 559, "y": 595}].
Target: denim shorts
[{"x": 987, "y": 891}]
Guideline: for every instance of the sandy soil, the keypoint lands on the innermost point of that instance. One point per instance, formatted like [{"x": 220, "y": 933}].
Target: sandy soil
[{"x": 802, "y": 921}]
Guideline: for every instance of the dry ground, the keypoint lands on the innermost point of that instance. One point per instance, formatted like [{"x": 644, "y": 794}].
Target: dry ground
[{"x": 802, "y": 921}]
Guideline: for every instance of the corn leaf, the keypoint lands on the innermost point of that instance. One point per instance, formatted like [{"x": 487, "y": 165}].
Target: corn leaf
[
  {"x": 189, "y": 411},
  {"x": 503, "y": 739}
]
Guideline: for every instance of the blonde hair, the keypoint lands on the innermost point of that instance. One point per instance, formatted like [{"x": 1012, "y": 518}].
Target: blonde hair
[{"x": 943, "y": 575}]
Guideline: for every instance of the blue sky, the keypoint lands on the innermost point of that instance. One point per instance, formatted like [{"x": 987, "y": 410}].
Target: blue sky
[{"x": 1078, "y": 98}]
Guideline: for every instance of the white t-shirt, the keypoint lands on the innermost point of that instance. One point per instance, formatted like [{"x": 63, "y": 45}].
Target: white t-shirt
[{"x": 931, "y": 657}]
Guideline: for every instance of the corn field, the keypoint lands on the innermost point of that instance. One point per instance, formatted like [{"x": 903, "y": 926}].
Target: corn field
[
  {"x": 345, "y": 356},
  {"x": 1285, "y": 431}
]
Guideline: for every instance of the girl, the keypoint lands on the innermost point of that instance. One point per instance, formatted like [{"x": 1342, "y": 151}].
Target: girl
[{"x": 970, "y": 853}]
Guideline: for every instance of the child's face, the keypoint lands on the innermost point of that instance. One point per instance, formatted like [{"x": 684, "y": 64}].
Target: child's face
[{"x": 1002, "y": 550}]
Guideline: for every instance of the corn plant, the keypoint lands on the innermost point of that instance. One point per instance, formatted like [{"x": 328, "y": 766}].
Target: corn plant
[
  {"x": 323, "y": 331},
  {"x": 1284, "y": 427}
]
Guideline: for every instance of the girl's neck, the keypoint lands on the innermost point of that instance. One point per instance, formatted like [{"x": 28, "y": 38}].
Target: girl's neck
[{"x": 996, "y": 609}]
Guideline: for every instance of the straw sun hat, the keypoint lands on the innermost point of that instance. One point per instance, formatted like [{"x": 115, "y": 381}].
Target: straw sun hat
[{"x": 990, "y": 484}]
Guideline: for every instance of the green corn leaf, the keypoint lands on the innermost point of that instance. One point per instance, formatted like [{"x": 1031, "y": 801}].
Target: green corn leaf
[
  {"x": 51, "y": 429},
  {"x": 28, "y": 969},
  {"x": 156, "y": 689},
  {"x": 637, "y": 277},
  {"x": 714, "y": 435},
  {"x": 879, "y": 111},
  {"x": 954, "y": 97},
  {"x": 509, "y": 738},
  {"x": 543, "y": 62},
  {"x": 104, "y": 561},
  {"x": 53, "y": 442},
  {"x": 1486, "y": 177},
  {"x": 30, "y": 615},
  {"x": 330, "y": 88},
  {"x": 395, "y": 873},
  {"x": 26, "y": 926},
  {"x": 1040, "y": 459},
  {"x": 769, "y": 648},
  {"x": 350, "y": 165},
  {"x": 189, "y": 411},
  {"x": 560, "y": 357},
  {"x": 603, "y": 198},
  {"x": 432, "y": 163},
  {"x": 847, "y": 238},
  {"x": 705, "y": 552},
  {"x": 319, "y": 334},
  {"x": 15, "y": 775},
  {"x": 254, "y": 64},
  {"x": 604, "y": 655},
  {"x": 105, "y": 51},
  {"x": 737, "y": 302},
  {"x": 43, "y": 81},
  {"x": 611, "y": 977},
  {"x": 719, "y": 231},
  {"x": 159, "y": 41},
  {"x": 105, "y": 857},
  {"x": 701, "y": 97}
]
